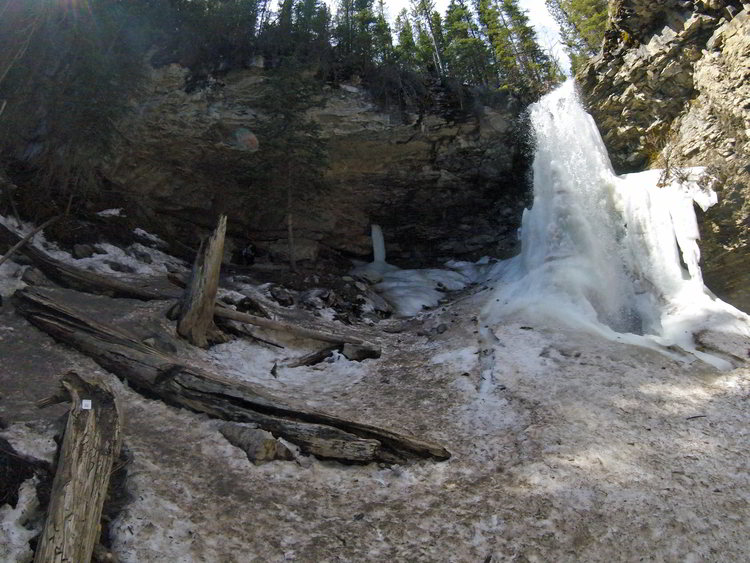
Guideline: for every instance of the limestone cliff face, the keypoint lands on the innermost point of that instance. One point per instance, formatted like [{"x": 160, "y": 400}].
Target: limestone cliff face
[
  {"x": 672, "y": 88},
  {"x": 439, "y": 186}
]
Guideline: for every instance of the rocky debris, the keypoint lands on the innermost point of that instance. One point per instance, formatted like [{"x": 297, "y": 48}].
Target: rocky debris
[
  {"x": 259, "y": 446},
  {"x": 281, "y": 295},
  {"x": 671, "y": 88},
  {"x": 357, "y": 353}
]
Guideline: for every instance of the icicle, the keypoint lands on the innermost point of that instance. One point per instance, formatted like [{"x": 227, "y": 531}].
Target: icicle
[{"x": 378, "y": 243}]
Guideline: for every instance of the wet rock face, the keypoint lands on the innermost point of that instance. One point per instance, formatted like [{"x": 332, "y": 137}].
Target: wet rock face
[
  {"x": 440, "y": 186},
  {"x": 672, "y": 88}
]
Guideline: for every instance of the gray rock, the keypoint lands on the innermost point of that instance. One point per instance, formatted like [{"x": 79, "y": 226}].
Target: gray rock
[
  {"x": 118, "y": 267},
  {"x": 83, "y": 251},
  {"x": 358, "y": 353},
  {"x": 282, "y": 296},
  {"x": 35, "y": 277}
]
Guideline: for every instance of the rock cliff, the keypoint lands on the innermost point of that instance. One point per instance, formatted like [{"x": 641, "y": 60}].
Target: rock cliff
[
  {"x": 440, "y": 185},
  {"x": 671, "y": 88}
]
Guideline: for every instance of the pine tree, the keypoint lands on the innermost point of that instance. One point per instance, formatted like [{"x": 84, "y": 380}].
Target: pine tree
[
  {"x": 424, "y": 12},
  {"x": 382, "y": 38},
  {"x": 293, "y": 154},
  {"x": 582, "y": 25},
  {"x": 466, "y": 55},
  {"x": 406, "y": 50}
]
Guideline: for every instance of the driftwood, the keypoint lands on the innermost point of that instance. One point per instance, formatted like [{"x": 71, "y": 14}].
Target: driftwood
[
  {"x": 90, "y": 446},
  {"x": 77, "y": 278},
  {"x": 313, "y": 358},
  {"x": 285, "y": 326},
  {"x": 175, "y": 382},
  {"x": 13, "y": 249},
  {"x": 196, "y": 318}
]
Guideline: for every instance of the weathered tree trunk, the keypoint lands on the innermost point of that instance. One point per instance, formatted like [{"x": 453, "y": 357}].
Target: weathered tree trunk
[
  {"x": 27, "y": 238},
  {"x": 90, "y": 446},
  {"x": 177, "y": 383},
  {"x": 196, "y": 320},
  {"x": 76, "y": 278},
  {"x": 314, "y": 334}
]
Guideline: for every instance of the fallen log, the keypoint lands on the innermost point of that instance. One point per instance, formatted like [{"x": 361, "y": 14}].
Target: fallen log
[
  {"x": 13, "y": 249},
  {"x": 156, "y": 373},
  {"x": 312, "y": 358},
  {"x": 90, "y": 446},
  {"x": 83, "y": 280},
  {"x": 284, "y": 326},
  {"x": 196, "y": 318},
  {"x": 91, "y": 282}
]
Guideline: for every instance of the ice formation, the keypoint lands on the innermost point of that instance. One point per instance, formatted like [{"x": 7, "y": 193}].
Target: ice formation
[
  {"x": 615, "y": 255},
  {"x": 408, "y": 291}
]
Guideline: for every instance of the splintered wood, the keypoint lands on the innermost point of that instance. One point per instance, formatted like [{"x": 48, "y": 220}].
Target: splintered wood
[{"x": 90, "y": 446}]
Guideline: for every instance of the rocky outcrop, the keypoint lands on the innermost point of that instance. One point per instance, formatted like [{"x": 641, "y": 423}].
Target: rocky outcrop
[
  {"x": 671, "y": 88},
  {"x": 441, "y": 186}
]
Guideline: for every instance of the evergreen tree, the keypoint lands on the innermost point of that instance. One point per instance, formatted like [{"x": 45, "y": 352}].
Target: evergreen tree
[
  {"x": 539, "y": 70},
  {"x": 293, "y": 155},
  {"x": 499, "y": 37},
  {"x": 382, "y": 38},
  {"x": 430, "y": 29},
  {"x": 406, "y": 50},
  {"x": 582, "y": 25},
  {"x": 466, "y": 55}
]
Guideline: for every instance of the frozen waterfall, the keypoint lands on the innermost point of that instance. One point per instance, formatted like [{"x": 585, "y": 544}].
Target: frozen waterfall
[{"x": 614, "y": 255}]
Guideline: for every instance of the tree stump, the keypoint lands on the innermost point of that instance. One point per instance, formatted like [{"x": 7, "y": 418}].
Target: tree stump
[
  {"x": 196, "y": 319},
  {"x": 90, "y": 446}
]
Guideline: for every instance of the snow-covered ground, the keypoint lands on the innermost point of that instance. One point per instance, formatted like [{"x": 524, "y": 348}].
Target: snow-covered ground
[{"x": 577, "y": 448}]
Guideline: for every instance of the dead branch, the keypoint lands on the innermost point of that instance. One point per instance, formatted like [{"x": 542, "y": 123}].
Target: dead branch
[
  {"x": 13, "y": 249},
  {"x": 77, "y": 278},
  {"x": 284, "y": 326}
]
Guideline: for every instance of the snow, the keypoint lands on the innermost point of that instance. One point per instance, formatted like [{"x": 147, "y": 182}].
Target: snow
[
  {"x": 137, "y": 258},
  {"x": 13, "y": 525},
  {"x": 10, "y": 278},
  {"x": 411, "y": 291},
  {"x": 111, "y": 213},
  {"x": 32, "y": 441},
  {"x": 247, "y": 361},
  {"x": 150, "y": 237}
]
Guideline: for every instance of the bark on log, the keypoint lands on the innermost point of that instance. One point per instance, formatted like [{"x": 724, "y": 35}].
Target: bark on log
[
  {"x": 312, "y": 358},
  {"x": 13, "y": 249},
  {"x": 76, "y": 278},
  {"x": 196, "y": 320},
  {"x": 175, "y": 382},
  {"x": 90, "y": 446},
  {"x": 284, "y": 326}
]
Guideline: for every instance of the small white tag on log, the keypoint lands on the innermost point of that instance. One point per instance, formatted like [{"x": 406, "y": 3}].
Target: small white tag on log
[{"x": 86, "y": 404}]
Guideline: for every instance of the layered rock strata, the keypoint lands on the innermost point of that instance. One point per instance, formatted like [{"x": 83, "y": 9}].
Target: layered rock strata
[{"x": 440, "y": 186}]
